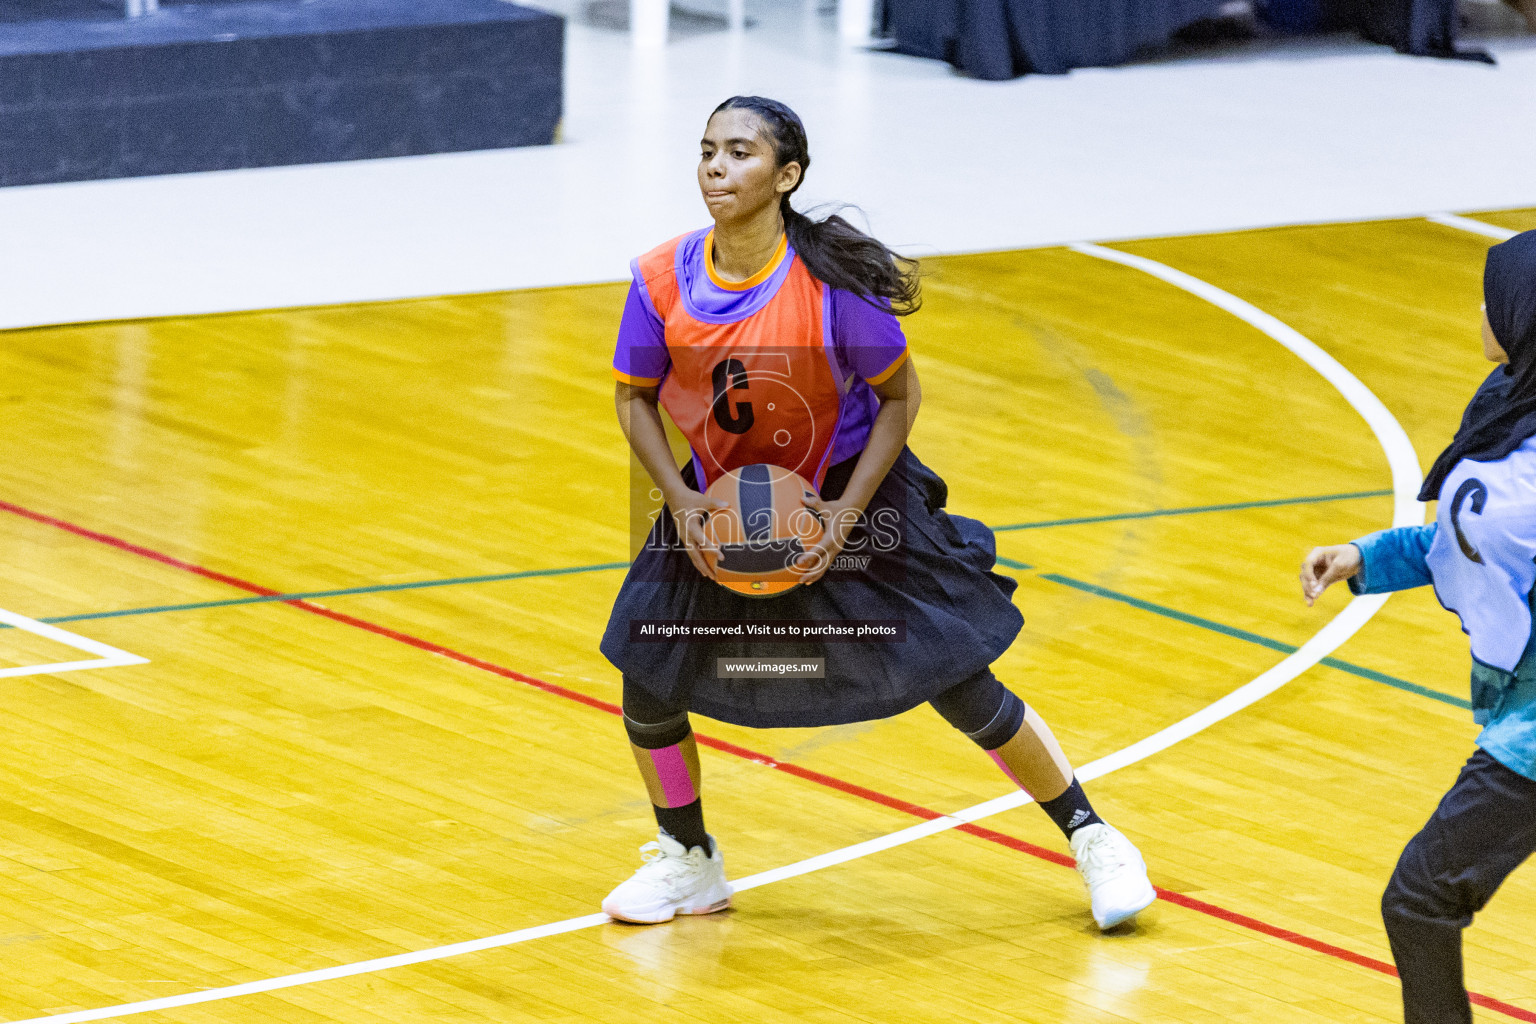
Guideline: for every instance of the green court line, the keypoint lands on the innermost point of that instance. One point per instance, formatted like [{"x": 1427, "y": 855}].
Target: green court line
[
  {"x": 375, "y": 588},
  {"x": 1193, "y": 509},
  {"x": 1253, "y": 638},
  {"x": 1012, "y": 563},
  {"x": 1157, "y": 609},
  {"x": 383, "y": 587}
]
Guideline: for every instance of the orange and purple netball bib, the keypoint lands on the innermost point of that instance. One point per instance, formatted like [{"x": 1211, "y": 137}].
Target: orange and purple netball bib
[{"x": 772, "y": 369}]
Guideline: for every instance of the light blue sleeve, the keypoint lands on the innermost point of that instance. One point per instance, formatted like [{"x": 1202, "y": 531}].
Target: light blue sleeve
[{"x": 1393, "y": 560}]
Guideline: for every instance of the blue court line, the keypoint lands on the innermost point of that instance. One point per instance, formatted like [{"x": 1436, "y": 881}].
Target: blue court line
[
  {"x": 1253, "y": 638},
  {"x": 1193, "y": 509}
]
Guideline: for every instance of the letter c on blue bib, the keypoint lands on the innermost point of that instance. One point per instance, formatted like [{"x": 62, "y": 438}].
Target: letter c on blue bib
[{"x": 1479, "y": 492}]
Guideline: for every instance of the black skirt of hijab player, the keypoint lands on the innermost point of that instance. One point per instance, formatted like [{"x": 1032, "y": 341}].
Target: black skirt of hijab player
[{"x": 936, "y": 580}]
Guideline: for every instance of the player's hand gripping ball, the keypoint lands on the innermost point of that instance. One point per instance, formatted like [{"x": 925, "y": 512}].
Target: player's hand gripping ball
[{"x": 763, "y": 530}]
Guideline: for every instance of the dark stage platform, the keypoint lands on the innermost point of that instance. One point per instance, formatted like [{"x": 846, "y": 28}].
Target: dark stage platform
[{"x": 85, "y": 93}]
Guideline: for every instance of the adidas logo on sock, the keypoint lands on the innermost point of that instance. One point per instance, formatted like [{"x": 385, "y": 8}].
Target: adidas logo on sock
[{"x": 1078, "y": 817}]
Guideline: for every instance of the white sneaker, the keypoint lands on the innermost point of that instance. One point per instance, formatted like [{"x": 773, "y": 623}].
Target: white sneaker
[
  {"x": 1114, "y": 873},
  {"x": 672, "y": 881}
]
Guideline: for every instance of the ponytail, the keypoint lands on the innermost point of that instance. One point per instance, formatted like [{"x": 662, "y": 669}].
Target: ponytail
[
  {"x": 842, "y": 256},
  {"x": 833, "y": 250}
]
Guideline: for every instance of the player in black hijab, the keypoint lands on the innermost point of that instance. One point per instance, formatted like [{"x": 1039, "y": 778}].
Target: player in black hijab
[{"x": 1502, "y": 414}]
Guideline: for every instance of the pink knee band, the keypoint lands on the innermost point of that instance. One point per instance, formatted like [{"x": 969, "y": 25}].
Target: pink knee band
[{"x": 672, "y": 771}]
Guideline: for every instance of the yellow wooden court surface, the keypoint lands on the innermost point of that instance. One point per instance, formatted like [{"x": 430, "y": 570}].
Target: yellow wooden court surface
[{"x": 293, "y": 784}]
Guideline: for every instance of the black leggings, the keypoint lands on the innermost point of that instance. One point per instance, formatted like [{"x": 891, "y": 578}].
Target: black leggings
[
  {"x": 981, "y": 707},
  {"x": 1484, "y": 827}
]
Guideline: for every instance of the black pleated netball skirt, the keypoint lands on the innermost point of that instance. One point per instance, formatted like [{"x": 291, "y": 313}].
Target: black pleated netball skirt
[{"x": 935, "y": 579}]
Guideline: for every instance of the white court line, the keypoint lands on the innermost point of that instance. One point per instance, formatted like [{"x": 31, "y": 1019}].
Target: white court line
[
  {"x": 1407, "y": 511},
  {"x": 1477, "y": 227},
  {"x": 1401, "y": 458},
  {"x": 107, "y": 656}
]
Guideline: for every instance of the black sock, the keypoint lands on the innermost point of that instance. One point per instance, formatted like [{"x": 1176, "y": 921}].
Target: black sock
[
  {"x": 685, "y": 824},
  {"x": 1071, "y": 811}
]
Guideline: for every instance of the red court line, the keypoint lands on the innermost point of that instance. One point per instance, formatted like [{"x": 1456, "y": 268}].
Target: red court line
[{"x": 810, "y": 775}]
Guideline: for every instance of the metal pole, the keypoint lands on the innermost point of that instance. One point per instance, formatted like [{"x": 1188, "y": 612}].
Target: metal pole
[
  {"x": 648, "y": 23},
  {"x": 855, "y": 19}
]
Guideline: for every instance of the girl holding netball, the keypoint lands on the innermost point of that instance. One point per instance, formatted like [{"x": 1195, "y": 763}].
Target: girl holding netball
[
  {"x": 773, "y": 338},
  {"x": 1478, "y": 554}
]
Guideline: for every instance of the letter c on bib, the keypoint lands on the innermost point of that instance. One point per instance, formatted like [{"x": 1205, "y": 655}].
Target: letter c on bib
[
  {"x": 729, "y": 375},
  {"x": 1479, "y": 494}
]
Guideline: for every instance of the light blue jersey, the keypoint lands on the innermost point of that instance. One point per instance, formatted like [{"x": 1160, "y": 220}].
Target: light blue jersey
[{"x": 1480, "y": 554}]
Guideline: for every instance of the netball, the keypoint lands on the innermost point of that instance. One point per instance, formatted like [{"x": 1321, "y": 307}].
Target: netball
[{"x": 764, "y": 529}]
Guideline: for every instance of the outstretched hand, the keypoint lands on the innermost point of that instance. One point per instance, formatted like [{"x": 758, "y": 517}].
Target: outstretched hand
[{"x": 1326, "y": 566}]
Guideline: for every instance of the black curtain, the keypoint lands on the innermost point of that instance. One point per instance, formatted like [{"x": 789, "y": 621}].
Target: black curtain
[{"x": 1000, "y": 39}]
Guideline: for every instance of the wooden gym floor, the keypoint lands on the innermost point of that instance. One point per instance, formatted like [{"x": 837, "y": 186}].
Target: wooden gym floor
[{"x": 423, "y": 752}]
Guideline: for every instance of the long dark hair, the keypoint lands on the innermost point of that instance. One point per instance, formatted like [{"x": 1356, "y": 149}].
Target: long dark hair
[{"x": 833, "y": 250}]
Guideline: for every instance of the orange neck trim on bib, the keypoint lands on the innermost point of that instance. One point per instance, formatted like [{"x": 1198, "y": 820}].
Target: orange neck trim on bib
[{"x": 751, "y": 282}]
